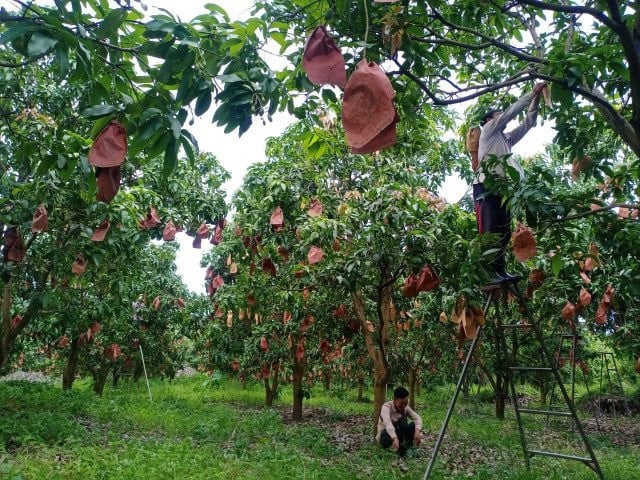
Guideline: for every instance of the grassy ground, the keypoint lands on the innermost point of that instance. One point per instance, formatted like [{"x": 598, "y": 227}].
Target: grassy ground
[{"x": 193, "y": 430}]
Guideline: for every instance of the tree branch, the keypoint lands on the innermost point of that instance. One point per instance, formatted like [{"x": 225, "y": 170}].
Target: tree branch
[
  {"x": 26, "y": 62},
  {"x": 502, "y": 46},
  {"x": 595, "y": 212},
  {"x": 618, "y": 123},
  {"x": 453, "y": 96},
  {"x": 594, "y": 12},
  {"x": 115, "y": 47}
]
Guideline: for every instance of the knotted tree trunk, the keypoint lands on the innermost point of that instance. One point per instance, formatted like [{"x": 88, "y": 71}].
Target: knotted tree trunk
[
  {"x": 377, "y": 345},
  {"x": 70, "y": 369}
]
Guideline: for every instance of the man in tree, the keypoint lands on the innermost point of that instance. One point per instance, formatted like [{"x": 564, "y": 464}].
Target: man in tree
[
  {"x": 395, "y": 429},
  {"x": 494, "y": 152}
]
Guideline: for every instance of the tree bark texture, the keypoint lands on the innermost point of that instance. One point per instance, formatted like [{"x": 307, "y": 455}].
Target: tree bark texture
[
  {"x": 70, "y": 369},
  {"x": 271, "y": 385},
  {"x": 376, "y": 347},
  {"x": 100, "y": 378},
  {"x": 298, "y": 391}
]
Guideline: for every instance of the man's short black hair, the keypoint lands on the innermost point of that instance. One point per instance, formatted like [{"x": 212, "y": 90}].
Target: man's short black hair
[
  {"x": 487, "y": 116},
  {"x": 400, "y": 392}
]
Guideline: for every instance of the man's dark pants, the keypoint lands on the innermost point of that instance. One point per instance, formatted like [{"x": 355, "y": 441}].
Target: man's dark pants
[
  {"x": 405, "y": 432},
  {"x": 493, "y": 217}
]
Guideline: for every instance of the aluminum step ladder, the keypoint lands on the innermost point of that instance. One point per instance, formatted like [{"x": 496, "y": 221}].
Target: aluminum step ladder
[
  {"x": 608, "y": 366},
  {"x": 548, "y": 366}
]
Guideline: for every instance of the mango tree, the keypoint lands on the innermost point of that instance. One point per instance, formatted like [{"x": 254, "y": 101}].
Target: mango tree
[
  {"x": 267, "y": 278},
  {"x": 358, "y": 227}
]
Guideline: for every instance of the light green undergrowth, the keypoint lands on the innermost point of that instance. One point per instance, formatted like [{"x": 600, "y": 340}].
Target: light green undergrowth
[{"x": 195, "y": 430}]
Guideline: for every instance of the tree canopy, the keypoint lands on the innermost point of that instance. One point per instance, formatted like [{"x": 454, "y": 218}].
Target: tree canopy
[{"x": 72, "y": 67}]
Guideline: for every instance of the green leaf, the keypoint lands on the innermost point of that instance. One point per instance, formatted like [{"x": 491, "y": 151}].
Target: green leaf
[
  {"x": 149, "y": 128},
  {"x": 62, "y": 59},
  {"x": 159, "y": 26},
  {"x": 15, "y": 32},
  {"x": 214, "y": 8},
  {"x": 231, "y": 78},
  {"x": 157, "y": 49},
  {"x": 329, "y": 96},
  {"x": 41, "y": 42},
  {"x": 176, "y": 127},
  {"x": 160, "y": 144},
  {"x": 148, "y": 113},
  {"x": 279, "y": 37},
  {"x": 45, "y": 165},
  {"x": 188, "y": 148},
  {"x": 185, "y": 83},
  {"x": 111, "y": 23},
  {"x": 556, "y": 264},
  {"x": 98, "y": 125},
  {"x": 187, "y": 134},
  {"x": 517, "y": 34},
  {"x": 236, "y": 47},
  {"x": 98, "y": 111},
  {"x": 203, "y": 103},
  {"x": 170, "y": 158},
  {"x": 245, "y": 123}
]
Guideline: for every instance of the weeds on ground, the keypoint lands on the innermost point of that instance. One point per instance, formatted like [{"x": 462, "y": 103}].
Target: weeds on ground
[{"x": 195, "y": 430}]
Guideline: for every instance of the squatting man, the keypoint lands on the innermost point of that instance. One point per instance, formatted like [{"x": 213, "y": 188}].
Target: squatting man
[{"x": 399, "y": 426}]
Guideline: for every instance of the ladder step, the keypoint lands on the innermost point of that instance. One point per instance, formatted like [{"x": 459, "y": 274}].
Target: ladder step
[
  {"x": 531, "y": 369},
  {"x": 559, "y": 455},
  {"x": 537, "y": 411}
]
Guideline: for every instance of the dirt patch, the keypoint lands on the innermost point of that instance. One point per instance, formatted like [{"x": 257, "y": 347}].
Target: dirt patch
[
  {"x": 348, "y": 432},
  {"x": 459, "y": 456},
  {"x": 20, "y": 376},
  {"x": 621, "y": 431},
  {"x": 611, "y": 405}
]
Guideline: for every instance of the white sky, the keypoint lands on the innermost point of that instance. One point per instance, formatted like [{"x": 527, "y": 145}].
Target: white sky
[{"x": 236, "y": 154}]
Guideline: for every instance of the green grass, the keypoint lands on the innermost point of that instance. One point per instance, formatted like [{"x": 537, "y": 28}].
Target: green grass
[{"x": 192, "y": 430}]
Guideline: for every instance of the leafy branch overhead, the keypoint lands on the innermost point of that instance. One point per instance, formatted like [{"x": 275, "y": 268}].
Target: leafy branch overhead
[
  {"x": 152, "y": 75},
  {"x": 155, "y": 74}
]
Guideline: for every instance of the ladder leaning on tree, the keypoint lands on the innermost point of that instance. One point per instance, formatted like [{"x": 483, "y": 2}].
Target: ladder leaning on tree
[{"x": 548, "y": 366}]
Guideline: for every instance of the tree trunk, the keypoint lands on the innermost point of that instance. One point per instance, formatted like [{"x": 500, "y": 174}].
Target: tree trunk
[
  {"x": 465, "y": 386},
  {"x": 326, "y": 379},
  {"x": 268, "y": 393},
  {"x": 485, "y": 370},
  {"x": 500, "y": 397},
  {"x": 116, "y": 375},
  {"x": 380, "y": 378},
  {"x": 413, "y": 385},
  {"x": 298, "y": 391},
  {"x": 360, "y": 379},
  {"x": 376, "y": 347},
  {"x": 70, "y": 369},
  {"x": 100, "y": 378},
  {"x": 10, "y": 331},
  {"x": 138, "y": 370},
  {"x": 271, "y": 385},
  {"x": 544, "y": 387},
  {"x": 5, "y": 345}
]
